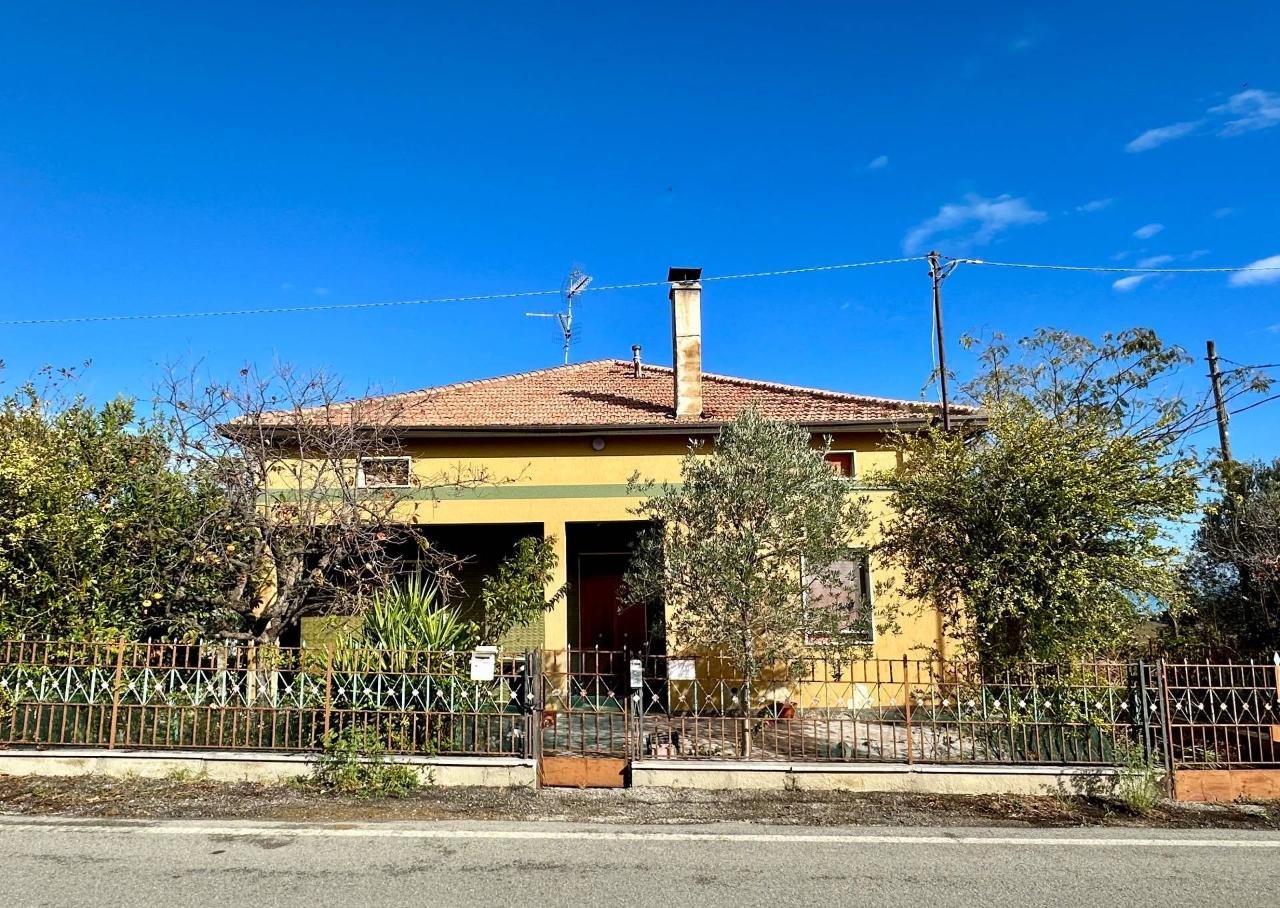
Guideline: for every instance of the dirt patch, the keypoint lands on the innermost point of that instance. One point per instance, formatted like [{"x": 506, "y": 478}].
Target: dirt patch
[{"x": 101, "y": 796}]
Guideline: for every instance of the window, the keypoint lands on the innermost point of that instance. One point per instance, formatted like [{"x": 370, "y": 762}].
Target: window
[
  {"x": 385, "y": 473},
  {"x": 841, "y": 463},
  {"x": 840, "y": 601}
]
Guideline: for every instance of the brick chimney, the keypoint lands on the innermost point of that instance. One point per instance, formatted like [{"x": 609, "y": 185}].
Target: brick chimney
[{"x": 686, "y": 339}]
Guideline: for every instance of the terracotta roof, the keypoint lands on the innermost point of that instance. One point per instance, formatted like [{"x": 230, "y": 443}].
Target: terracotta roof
[{"x": 605, "y": 393}]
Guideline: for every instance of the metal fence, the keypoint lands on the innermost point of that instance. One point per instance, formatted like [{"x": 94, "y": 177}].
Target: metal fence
[
  {"x": 885, "y": 710},
  {"x": 1222, "y": 715},
  {"x": 651, "y": 707},
  {"x": 229, "y": 697}
]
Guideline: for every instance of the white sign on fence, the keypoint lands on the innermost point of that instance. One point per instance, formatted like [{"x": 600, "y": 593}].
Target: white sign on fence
[{"x": 681, "y": 670}]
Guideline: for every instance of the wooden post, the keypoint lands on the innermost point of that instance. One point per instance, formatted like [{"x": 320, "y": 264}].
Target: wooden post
[
  {"x": 115, "y": 694},
  {"x": 1220, "y": 408},
  {"x": 937, "y": 275}
]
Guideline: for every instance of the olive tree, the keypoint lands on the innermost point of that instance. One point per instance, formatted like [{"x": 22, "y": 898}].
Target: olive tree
[{"x": 757, "y": 521}]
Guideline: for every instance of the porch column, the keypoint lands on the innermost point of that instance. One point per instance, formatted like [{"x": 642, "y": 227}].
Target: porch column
[{"x": 555, "y": 633}]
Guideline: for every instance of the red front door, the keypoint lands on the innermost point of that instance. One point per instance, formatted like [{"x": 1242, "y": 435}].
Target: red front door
[{"x": 604, "y": 622}]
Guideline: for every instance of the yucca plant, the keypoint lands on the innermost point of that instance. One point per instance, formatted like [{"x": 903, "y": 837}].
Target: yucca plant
[{"x": 405, "y": 619}]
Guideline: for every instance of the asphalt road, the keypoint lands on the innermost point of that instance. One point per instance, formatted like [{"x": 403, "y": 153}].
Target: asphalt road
[{"x": 96, "y": 862}]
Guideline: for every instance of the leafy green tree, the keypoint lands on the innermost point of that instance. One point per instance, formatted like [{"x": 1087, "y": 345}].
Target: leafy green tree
[
  {"x": 1045, "y": 536},
  {"x": 98, "y": 529},
  {"x": 517, "y": 594},
  {"x": 1232, "y": 575},
  {"x": 758, "y": 521}
]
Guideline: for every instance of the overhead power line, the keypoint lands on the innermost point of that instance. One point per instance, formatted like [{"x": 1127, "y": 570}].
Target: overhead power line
[
  {"x": 274, "y": 310},
  {"x": 482, "y": 297},
  {"x": 1119, "y": 268},
  {"x": 524, "y": 294}
]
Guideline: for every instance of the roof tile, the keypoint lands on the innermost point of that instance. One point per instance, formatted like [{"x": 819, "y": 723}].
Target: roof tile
[{"x": 606, "y": 393}]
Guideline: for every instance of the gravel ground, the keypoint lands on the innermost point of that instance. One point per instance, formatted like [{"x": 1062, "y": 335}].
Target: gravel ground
[{"x": 101, "y": 796}]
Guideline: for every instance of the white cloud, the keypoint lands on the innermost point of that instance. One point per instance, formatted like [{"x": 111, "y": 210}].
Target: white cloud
[
  {"x": 974, "y": 222},
  {"x": 1223, "y": 212},
  {"x": 1125, "y": 284},
  {"x": 1095, "y": 205},
  {"x": 1245, "y": 111},
  {"x": 879, "y": 163},
  {"x": 1154, "y": 138},
  {"x": 1252, "y": 110},
  {"x": 1196, "y": 254},
  {"x": 1274, "y": 329},
  {"x": 1147, "y": 231},
  {"x": 1255, "y": 278},
  {"x": 1155, "y": 261},
  {"x": 320, "y": 291}
]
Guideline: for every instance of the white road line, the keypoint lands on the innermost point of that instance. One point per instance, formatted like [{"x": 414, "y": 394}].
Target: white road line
[{"x": 381, "y": 832}]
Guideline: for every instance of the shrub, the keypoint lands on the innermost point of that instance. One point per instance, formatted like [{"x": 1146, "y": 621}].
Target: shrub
[
  {"x": 354, "y": 762},
  {"x": 517, "y": 594}
]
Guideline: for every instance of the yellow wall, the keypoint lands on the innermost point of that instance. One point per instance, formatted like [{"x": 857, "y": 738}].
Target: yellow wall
[{"x": 555, "y": 481}]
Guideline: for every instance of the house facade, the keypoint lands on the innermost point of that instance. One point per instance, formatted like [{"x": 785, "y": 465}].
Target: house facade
[{"x": 557, "y": 448}]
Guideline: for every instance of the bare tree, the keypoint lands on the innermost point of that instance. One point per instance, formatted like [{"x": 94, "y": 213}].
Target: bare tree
[{"x": 321, "y": 515}]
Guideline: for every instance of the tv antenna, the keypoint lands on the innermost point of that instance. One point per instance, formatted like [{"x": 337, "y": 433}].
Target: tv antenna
[{"x": 573, "y": 285}]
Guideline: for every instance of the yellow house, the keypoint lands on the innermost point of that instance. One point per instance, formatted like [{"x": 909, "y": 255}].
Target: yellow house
[{"x": 559, "y": 445}]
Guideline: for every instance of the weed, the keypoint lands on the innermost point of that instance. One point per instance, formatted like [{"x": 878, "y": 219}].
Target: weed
[
  {"x": 354, "y": 761},
  {"x": 1139, "y": 779},
  {"x": 186, "y": 774}
]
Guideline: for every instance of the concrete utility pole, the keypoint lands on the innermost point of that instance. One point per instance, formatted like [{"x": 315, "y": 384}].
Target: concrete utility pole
[
  {"x": 939, "y": 273},
  {"x": 1215, "y": 378}
]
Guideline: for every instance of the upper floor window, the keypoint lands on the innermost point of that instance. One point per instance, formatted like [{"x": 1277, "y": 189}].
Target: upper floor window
[
  {"x": 841, "y": 463},
  {"x": 385, "y": 473}
]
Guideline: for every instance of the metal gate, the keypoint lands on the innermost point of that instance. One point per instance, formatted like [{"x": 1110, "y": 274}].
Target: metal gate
[{"x": 583, "y": 711}]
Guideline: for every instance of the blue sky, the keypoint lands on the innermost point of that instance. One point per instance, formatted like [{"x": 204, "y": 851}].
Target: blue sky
[{"x": 234, "y": 155}]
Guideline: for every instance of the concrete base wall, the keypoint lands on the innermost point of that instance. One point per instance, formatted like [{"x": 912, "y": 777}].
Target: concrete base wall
[
  {"x": 971, "y": 780},
  {"x": 512, "y": 772},
  {"x": 500, "y": 772}
]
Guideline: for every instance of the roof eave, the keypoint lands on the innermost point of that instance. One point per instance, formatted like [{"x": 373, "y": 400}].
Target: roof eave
[{"x": 680, "y": 428}]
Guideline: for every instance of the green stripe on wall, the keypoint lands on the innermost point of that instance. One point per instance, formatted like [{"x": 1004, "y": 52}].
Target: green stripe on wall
[
  {"x": 500, "y": 492},
  {"x": 513, "y": 492},
  {"x": 476, "y": 493}
]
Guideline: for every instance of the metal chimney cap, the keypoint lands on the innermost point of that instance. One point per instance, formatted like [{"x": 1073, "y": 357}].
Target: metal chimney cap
[{"x": 683, "y": 275}]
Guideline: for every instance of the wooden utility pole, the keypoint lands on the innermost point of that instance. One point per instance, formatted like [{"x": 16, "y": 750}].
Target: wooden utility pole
[
  {"x": 938, "y": 274},
  {"x": 1215, "y": 378}
]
